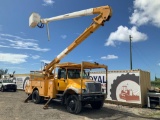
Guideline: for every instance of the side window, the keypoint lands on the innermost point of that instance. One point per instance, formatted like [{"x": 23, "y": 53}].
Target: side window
[
  {"x": 70, "y": 74},
  {"x": 61, "y": 73},
  {"x": 73, "y": 73}
]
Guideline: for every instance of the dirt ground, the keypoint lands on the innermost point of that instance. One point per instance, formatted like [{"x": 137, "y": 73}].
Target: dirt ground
[{"x": 12, "y": 107}]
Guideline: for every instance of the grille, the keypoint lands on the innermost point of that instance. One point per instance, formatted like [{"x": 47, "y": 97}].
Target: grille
[
  {"x": 93, "y": 87},
  {"x": 11, "y": 86}
]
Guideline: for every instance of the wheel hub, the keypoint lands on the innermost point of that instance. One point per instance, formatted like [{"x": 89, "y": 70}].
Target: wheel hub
[{"x": 72, "y": 104}]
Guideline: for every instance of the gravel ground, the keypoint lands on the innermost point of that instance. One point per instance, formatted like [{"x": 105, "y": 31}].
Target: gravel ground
[{"x": 12, "y": 107}]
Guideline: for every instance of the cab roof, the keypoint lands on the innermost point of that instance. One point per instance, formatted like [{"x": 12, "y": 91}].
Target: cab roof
[{"x": 85, "y": 65}]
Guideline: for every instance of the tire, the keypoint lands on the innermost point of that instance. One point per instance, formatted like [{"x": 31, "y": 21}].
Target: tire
[
  {"x": 97, "y": 104},
  {"x": 73, "y": 105},
  {"x": 153, "y": 105},
  {"x": 2, "y": 89},
  {"x": 35, "y": 97},
  {"x": 120, "y": 79},
  {"x": 14, "y": 90}
]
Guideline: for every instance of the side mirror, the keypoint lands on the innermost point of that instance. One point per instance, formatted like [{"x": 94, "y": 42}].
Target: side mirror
[{"x": 88, "y": 74}]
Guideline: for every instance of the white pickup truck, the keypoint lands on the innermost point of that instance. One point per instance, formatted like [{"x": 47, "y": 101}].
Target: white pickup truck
[{"x": 7, "y": 84}]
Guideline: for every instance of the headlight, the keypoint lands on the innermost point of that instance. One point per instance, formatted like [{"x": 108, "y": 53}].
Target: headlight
[{"x": 83, "y": 90}]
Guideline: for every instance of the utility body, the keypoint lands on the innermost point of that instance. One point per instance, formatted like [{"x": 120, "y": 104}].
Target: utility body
[{"x": 69, "y": 83}]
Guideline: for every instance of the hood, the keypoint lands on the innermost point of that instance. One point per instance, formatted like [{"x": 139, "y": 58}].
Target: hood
[
  {"x": 9, "y": 84},
  {"x": 77, "y": 82}
]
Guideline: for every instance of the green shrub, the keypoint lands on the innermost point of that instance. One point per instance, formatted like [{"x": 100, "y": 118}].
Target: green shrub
[{"x": 155, "y": 83}]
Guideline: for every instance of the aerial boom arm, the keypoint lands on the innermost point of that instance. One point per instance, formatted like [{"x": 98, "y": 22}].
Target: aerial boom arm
[
  {"x": 104, "y": 14},
  {"x": 35, "y": 18},
  {"x": 86, "y": 12}
]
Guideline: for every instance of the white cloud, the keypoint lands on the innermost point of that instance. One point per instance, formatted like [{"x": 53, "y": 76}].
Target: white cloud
[
  {"x": 146, "y": 11},
  {"x": 63, "y": 36},
  {"x": 16, "y": 37},
  {"x": 13, "y": 58},
  {"x": 108, "y": 57},
  {"x": 45, "y": 61},
  {"x": 4, "y": 46},
  {"x": 35, "y": 56},
  {"x": 22, "y": 33},
  {"x": 90, "y": 60},
  {"x": 21, "y": 43},
  {"x": 122, "y": 35},
  {"x": 48, "y": 2},
  {"x": 14, "y": 67}
]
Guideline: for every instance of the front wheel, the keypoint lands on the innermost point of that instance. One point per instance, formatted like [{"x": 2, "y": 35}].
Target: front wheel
[
  {"x": 14, "y": 90},
  {"x": 73, "y": 104},
  {"x": 97, "y": 104},
  {"x": 35, "y": 97},
  {"x": 2, "y": 89}
]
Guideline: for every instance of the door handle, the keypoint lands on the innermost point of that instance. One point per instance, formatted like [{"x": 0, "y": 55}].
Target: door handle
[{"x": 64, "y": 80}]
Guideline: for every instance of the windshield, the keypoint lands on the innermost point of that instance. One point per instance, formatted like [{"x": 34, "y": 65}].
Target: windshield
[
  {"x": 7, "y": 81},
  {"x": 76, "y": 73}
]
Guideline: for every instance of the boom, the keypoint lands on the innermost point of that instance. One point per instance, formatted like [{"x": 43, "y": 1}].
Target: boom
[{"x": 104, "y": 14}]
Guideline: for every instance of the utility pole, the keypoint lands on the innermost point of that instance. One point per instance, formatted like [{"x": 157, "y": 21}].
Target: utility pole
[
  {"x": 42, "y": 65},
  {"x": 130, "y": 37}
]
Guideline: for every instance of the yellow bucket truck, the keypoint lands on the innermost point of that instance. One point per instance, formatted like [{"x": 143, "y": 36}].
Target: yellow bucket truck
[{"x": 68, "y": 83}]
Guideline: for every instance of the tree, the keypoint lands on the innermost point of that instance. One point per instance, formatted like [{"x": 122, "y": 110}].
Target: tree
[
  {"x": 3, "y": 72},
  {"x": 155, "y": 78}
]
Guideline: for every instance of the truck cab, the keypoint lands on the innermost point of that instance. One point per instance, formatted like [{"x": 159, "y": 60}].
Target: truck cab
[{"x": 72, "y": 76}]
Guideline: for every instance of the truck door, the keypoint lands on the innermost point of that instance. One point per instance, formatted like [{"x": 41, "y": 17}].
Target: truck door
[{"x": 62, "y": 79}]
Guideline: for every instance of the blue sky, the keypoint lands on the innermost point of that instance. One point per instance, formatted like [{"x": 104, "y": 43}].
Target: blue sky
[{"x": 23, "y": 48}]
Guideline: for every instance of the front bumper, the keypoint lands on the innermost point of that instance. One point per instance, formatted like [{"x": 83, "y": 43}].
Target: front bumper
[
  {"x": 92, "y": 97},
  {"x": 10, "y": 87}
]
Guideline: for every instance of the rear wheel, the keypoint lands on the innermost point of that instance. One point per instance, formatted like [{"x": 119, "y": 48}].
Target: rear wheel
[
  {"x": 97, "y": 104},
  {"x": 35, "y": 97},
  {"x": 73, "y": 104}
]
